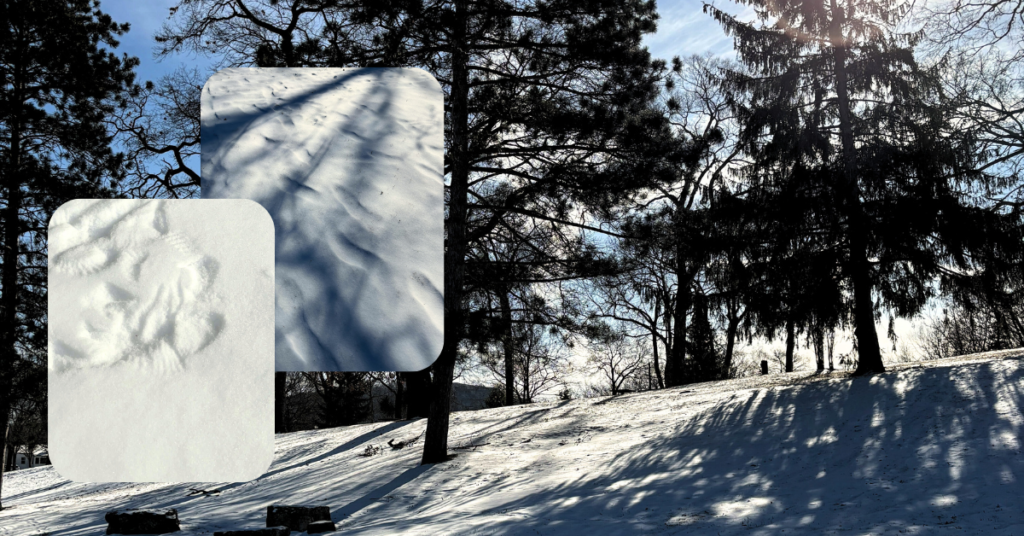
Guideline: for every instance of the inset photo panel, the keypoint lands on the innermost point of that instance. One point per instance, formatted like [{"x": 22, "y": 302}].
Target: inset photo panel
[
  {"x": 350, "y": 165},
  {"x": 161, "y": 359}
]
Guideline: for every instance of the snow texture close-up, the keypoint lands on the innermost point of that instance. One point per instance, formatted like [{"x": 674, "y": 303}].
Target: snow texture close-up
[
  {"x": 927, "y": 448},
  {"x": 349, "y": 163},
  {"x": 160, "y": 349}
]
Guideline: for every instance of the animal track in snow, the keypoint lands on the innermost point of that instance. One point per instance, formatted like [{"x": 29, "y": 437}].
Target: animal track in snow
[{"x": 148, "y": 299}]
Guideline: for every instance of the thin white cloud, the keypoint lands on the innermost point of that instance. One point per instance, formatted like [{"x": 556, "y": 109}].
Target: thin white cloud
[{"x": 684, "y": 29}]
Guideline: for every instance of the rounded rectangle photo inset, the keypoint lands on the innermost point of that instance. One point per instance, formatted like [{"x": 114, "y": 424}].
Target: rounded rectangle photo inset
[
  {"x": 161, "y": 360},
  {"x": 350, "y": 164}
]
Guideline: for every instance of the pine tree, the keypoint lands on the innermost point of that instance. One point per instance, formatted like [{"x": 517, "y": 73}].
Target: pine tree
[
  {"x": 703, "y": 364},
  {"x": 60, "y": 86},
  {"x": 839, "y": 99},
  {"x": 549, "y": 99}
]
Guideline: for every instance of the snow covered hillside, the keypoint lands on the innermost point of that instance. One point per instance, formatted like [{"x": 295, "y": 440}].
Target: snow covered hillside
[{"x": 930, "y": 448}]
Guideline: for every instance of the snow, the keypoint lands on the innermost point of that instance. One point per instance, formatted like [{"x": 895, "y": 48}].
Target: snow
[
  {"x": 928, "y": 448},
  {"x": 160, "y": 350},
  {"x": 349, "y": 163}
]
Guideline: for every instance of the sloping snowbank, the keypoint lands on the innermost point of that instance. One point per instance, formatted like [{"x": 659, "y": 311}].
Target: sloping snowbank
[{"x": 928, "y": 449}]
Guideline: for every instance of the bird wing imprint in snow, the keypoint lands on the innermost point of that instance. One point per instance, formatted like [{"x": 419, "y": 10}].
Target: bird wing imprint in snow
[{"x": 149, "y": 301}]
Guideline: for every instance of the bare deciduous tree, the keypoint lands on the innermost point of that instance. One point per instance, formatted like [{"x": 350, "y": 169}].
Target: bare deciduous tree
[
  {"x": 619, "y": 359},
  {"x": 159, "y": 131}
]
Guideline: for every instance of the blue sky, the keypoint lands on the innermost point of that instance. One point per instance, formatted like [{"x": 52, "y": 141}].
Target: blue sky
[
  {"x": 685, "y": 29},
  {"x": 682, "y": 30},
  {"x": 146, "y": 17}
]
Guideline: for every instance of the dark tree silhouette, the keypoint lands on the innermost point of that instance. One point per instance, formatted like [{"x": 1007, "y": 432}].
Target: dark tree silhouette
[
  {"x": 546, "y": 98},
  {"x": 837, "y": 94},
  {"x": 345, "y": 396},
  {"x": 675, "y": 222},
  {"x": 60, "y": 86},
  {"x": 159, "y": 131}
]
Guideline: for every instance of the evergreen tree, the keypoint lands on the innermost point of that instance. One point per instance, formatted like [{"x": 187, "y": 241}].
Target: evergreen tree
[
  {"x": 729, "y": 272},
  {"x": 837, "y": 96},
  {"x": 704, "y": 363},
  {"x": 344, "y": 397},
  {"x": 60, "y": 86}
]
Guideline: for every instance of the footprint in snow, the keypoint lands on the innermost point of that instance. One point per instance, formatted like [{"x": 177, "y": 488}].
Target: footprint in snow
[{"x": 150, "y": 303}]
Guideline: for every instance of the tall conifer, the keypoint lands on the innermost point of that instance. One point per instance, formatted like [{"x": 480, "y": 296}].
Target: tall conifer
[
  {"x": 60, "y": 85},
  {"x": 837, "y": 95}
]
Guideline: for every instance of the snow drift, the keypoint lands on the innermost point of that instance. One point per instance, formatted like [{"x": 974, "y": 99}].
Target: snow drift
[
  {"x": 349, "y": 163},
  {"x": 928, "y": 449}
]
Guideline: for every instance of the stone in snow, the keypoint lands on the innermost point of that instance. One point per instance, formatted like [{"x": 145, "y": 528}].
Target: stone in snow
[
  {"x": 142, "y": 521},
  {"x": 296, "y": 518},
  {"x": 317, "y": 527}
]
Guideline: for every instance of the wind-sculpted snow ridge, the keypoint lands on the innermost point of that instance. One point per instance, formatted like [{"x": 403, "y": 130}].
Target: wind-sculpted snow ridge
[
  {"x": 349, "y": 163},
  {"x": 932, "y": 448},
  {"x": 149, "y": 301}
]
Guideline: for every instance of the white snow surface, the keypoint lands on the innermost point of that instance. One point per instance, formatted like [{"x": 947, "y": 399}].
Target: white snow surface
[
  {"x": 928, "y": 448},
  {"x": 350, "y": 164},
  {"x": 160, "y": 339}
]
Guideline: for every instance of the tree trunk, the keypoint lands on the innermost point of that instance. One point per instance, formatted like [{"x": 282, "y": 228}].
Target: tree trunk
[
  {"x": 674, "y": 371},
  {"x": 9, "y": 278},
  {"x": 288, "y": 50},
  {"x": 831, "y": 347},
  {"x": 435, "y": 443},
  {"x": 524, "y": 396},
  {"x": 869, "y": 353},
  {"x": 8, "y": 459},
  {"x": 506, "y": 346},
  {"x": 653, "y": 340},
  {"x": 790, "y": 343},
  {"x": 418, "y": 394},
  {"x": 5, "y": 414},
  {"x": 400, "y": 396},
  {"x": 669, "y": 341},
  {"x": 280, "y": 381},
  {"x": 657, "y": 366},
  {"x": 819, "y": 347},
  {"x": 730, "y": 344}
]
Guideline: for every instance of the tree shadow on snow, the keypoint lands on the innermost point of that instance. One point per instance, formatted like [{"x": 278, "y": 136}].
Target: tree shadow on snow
[
  {"x": 329, "y": 269},
  {"x": 866, "y": 454},
  {"x": 935, "y": 447}
]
